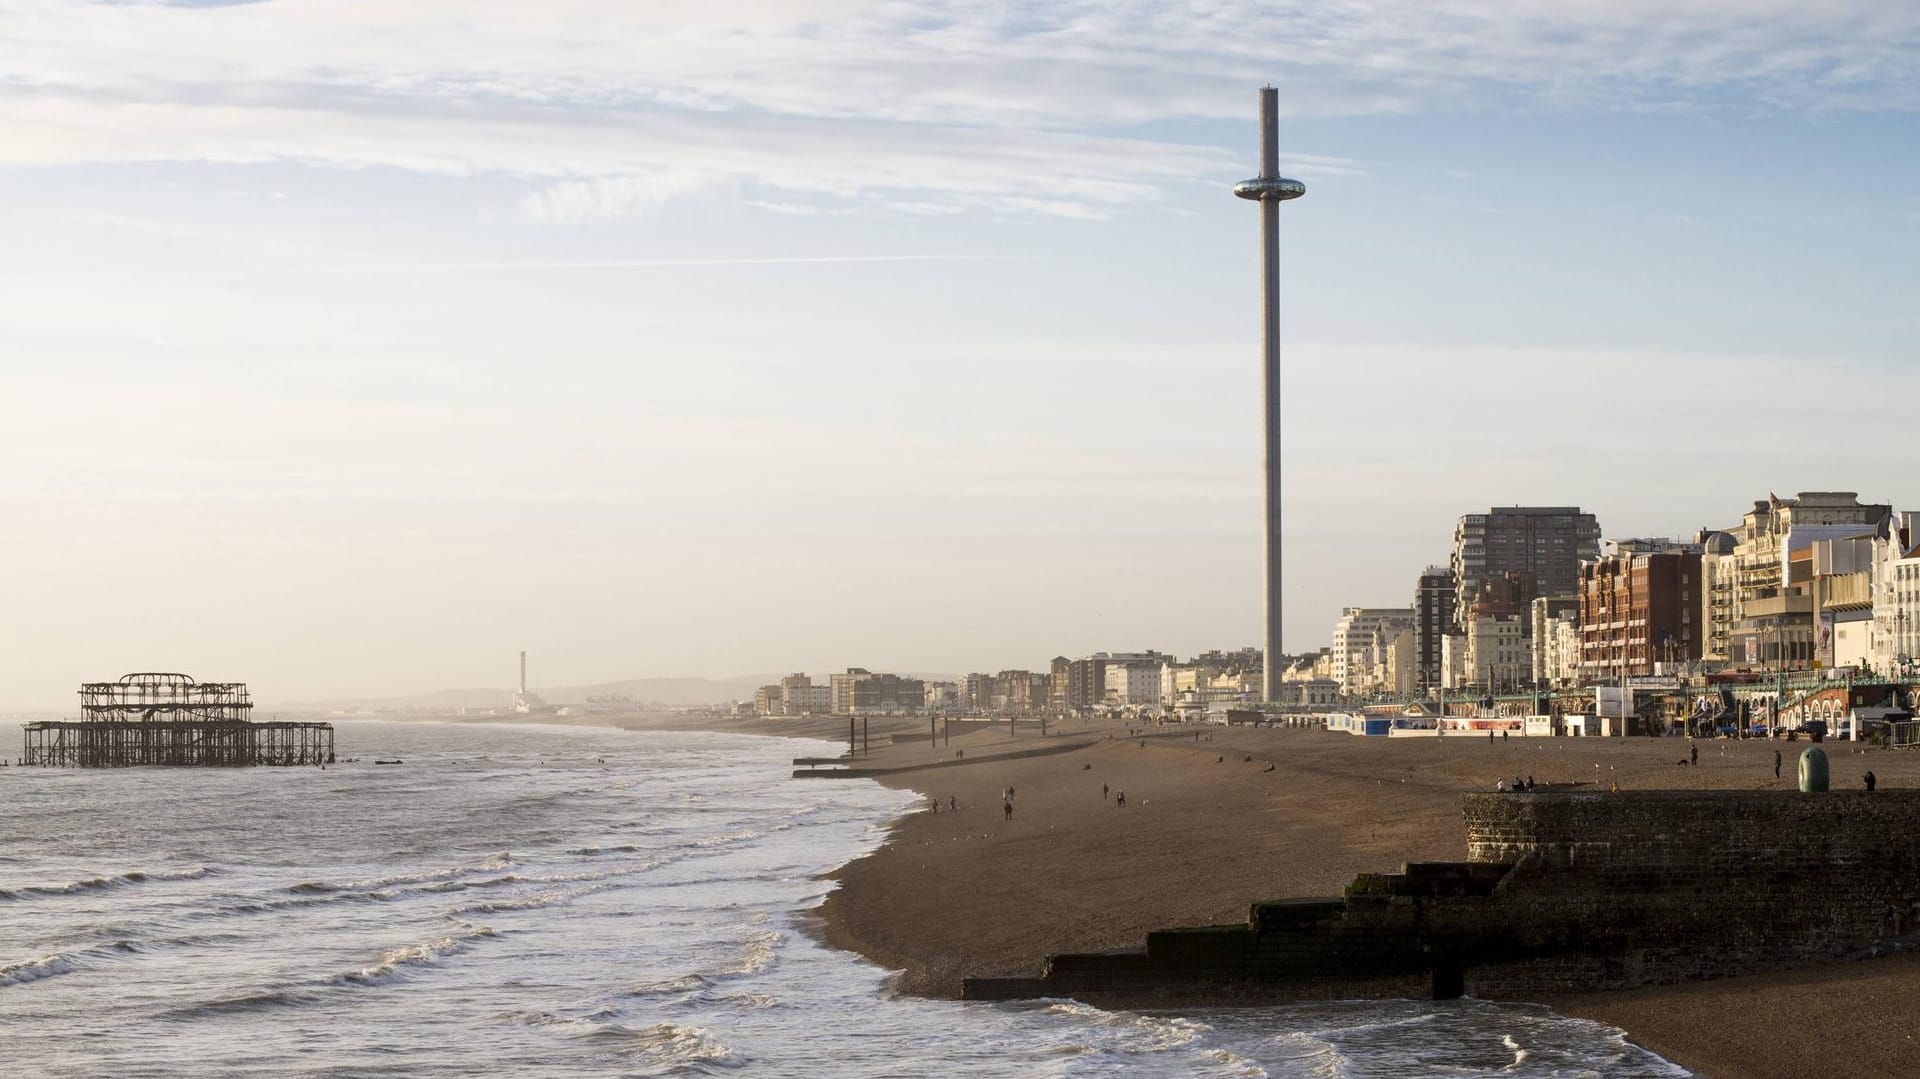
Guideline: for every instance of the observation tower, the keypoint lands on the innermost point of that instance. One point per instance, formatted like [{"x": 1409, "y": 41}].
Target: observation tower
[{"x": 1270, "y": 189}]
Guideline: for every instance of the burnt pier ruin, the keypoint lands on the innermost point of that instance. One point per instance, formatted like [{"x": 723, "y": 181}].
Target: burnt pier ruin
[{"x": 157, "y": 718}]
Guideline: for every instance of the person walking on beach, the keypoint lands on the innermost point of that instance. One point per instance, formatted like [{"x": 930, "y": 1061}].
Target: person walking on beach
[
  {"x": 953, "y": 804},
  {"x": 1693, "y": 755},
  {"x": 1007, "y": 807},
  {"x": 1120, "y": 799},
  {"x": 1776, "y": 764},
  {"x": 1489, "y": 737},
  {"x": 1871, "y": 781},
  {"x": 1103, "y": 792}
]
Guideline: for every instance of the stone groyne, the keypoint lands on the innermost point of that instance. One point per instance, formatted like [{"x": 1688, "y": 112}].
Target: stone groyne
[{"x": 1561, "y": 893}]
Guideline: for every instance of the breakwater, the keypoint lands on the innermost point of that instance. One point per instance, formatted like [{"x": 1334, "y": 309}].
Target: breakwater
[{"x": 1561, "y": 893}]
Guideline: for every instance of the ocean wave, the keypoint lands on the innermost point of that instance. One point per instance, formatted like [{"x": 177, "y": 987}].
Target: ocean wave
[
  {"x": 1161, "y": 1033},
  {"x": 91, "y": 884},
  {"x": 1240, "y": 1065},
  {"x": 726, "y": 838},
  {"x": 686, "y": 983},
  {"x": 241, "y": 1004},
  {"x": 1378, "y": 1026},
  {"x": 492, "y": 864},
  {"x": 394, "y": 961},
  {"x": 757, "y": 954},
  {"x": 305, "y": 899},
  {"x": 624, "y": 848},
  {"x": 197, "y": 872},
  {"x": 102, "y": 883},
  {"x": 548, "y": 1019},
  {"x": 1519, "y": 1055},
  {"x": 670, "y": 1047},
  {"x": 532, "y": 902},
  {"x": 32, "y": 970}
]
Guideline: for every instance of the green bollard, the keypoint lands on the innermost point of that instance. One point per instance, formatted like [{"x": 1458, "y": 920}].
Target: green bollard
[{"x": 1813, "y": 771}]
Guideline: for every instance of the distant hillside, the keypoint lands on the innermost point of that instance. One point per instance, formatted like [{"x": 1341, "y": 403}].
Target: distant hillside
[{"x": 666, "y": 692}]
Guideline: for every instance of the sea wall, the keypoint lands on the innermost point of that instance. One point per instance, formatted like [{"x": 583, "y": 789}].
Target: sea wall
[{"x": 1562, "y": 893}]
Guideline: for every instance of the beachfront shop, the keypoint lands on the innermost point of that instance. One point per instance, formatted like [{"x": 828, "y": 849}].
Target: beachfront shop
[{"x": 1355, "y": 723}]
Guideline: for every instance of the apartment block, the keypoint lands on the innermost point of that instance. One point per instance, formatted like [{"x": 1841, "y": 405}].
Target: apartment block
[
  {"x": 1639, "y": 613},
  {"x": 1545, "y": 544},
  {"x": 1433, "y": 601}
]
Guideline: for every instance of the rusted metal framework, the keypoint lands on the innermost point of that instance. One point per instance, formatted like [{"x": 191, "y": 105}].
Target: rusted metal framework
[{"x": 170, "y": 719}]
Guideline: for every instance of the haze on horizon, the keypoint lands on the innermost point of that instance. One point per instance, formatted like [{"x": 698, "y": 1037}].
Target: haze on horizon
[{"x": 350, "y": 347}]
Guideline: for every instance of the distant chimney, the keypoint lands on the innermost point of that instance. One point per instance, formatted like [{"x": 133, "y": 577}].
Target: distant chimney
[{"x": 523, "y": 672}]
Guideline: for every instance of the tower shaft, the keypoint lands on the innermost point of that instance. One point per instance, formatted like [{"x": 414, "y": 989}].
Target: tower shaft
[{"x": 1270, "y": 380}]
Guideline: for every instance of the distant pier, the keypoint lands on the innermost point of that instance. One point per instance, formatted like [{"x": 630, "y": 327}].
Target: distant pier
[{"x": 158, "y": 718}]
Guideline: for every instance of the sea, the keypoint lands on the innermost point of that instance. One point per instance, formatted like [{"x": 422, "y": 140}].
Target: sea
[{"x": 567, "y": 901}]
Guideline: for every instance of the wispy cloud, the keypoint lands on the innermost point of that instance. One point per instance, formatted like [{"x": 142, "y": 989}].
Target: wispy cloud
[
  {"x": 646, "y": 264},
  {"x": 1011, "y": 108}
]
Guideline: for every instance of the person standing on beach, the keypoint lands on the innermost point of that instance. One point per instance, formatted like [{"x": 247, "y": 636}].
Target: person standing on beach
[
  {"x": 1871, "y": 781},
  {"x": 1776, "y": 764},
  {"x": 1693, "y": 755},
  {"x": 1007, "y": 807},
  {"x": 1103, "y": 792},
  {"x": 1120, "y": 799}
]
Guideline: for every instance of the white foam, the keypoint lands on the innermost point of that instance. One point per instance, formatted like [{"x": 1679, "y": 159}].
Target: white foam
[
  {"x": 394, "y": 960},
  {"x": 675, "y": 1046},
  {"x": 1519, "y": 1054},
  {"x": 756, "y": 954},
  {"x": 32, "y": 970}
]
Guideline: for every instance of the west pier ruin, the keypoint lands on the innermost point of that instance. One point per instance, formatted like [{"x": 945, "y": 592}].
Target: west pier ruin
[{"x": 163, "y": 718}]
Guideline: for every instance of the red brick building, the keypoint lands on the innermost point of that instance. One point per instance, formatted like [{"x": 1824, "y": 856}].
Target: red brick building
[{"x": 1638, "y": 610}]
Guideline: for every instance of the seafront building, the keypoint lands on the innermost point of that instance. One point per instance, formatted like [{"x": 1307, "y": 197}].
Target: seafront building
[
  {"x": 1817, "y": 581},
  {"x": 1770, "y": 618},
  {"x": 1543, "y": 544},
  {"x": 1392, "y": 653},
  {"x": 1896, "y": 597},
  {"x": 1354, "y": 642},
  {"x": 1555, "y": 641},
  {"x": 1497, "y": 657},
  {"x": 1310, "y": 693},
  {"x": 1086, "y": 682},
  {"x": 800, "y": 697},
  {"x": 1433, "y": 599},
  {"x": 766, "y": 700},
  {"x": 1133, "y": 678},
  {"x": 941, "y": 697},
  {"x": 1059, "y": 681},
  {"x": 860, "y": 692},
  {"x": 1638, "y": 612}
]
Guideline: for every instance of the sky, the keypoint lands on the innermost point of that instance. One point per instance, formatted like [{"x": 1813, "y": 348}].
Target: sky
[{"x": 351, "y": 346}]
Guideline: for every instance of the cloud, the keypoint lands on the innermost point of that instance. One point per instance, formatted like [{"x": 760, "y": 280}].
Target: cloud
[
  {"x": 572, "y": 202},
  {"x": 611, "y": 110}
]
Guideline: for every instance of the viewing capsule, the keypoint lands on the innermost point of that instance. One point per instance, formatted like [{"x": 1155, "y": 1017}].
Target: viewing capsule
[{"x": 1274, "y": 188}]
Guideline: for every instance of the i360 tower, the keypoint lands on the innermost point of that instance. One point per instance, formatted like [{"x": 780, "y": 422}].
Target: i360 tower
[{"x": 1270, "y": 189}]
